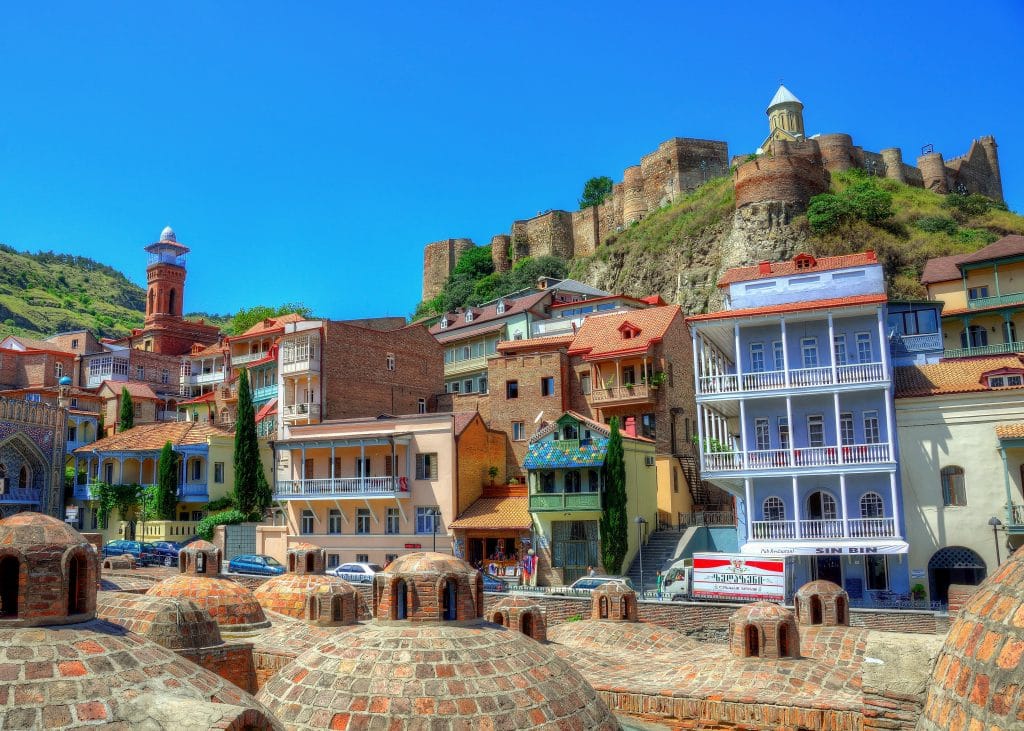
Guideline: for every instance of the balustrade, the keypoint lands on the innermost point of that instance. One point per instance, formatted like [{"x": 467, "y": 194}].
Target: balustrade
[
  {"x": 767, "y": 459},
  {"x": 339, "y": 487},
  {"x": 798, "y": 378}
]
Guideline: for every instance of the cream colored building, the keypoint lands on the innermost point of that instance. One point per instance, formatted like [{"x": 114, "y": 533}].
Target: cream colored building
[{"x": 960, "y": 425}]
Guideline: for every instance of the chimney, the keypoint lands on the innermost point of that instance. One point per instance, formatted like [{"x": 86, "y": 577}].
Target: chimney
[
  {"x": 871, "y": 255},
  {"x": 764, "y": 267},
  {"x": 630, "y": 426}
]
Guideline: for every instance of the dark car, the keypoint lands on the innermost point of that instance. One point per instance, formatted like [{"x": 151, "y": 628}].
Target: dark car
[
  {"x": 252, "y": 563},
  {"x": 493, "y": 584},
  {"x": 166, "y": 552},
  {"x": 143, "y": 553}
]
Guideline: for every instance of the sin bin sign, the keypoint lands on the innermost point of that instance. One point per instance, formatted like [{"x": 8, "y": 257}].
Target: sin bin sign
[{"x": 739, "y": 577}]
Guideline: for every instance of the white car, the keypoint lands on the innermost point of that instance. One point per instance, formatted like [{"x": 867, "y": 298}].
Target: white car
[
  {"x": 587, "y": 584},
  {"x": 356, "y": 573}
]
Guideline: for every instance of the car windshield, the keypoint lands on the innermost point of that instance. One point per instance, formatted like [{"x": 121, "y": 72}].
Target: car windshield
[
  {"x": 271, "y": 561},
  {"x": 374, "y": 567}
]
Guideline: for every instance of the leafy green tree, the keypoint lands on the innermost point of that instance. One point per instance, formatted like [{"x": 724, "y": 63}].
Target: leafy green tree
[
  {"x": 869, "y": 202},
  {"x": 248, "y": 468},
  {"x": 167, "y": 484},
  {"x": 247, "y": 317},
  {"x": 122, "y": 498},
  {"x": 126, "y": 418},
  {"x": 614, "y": 520},
  {"x": 474, "y": 263},
  {"x": 595, "y": 191}
]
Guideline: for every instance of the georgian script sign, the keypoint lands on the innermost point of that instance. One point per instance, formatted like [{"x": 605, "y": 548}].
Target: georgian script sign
[{"x": 734, "y": 577}]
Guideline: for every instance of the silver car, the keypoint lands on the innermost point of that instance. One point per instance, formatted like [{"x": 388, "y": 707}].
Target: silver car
[
  {"x": 356, "y": 573},
  {"x": 587, "y": 584}
]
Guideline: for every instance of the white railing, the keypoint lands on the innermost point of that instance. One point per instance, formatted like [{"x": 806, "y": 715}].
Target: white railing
[
  {"x": 247, "y": 358},
  {"x": 767, "y": 459},
  {"x": 798, "y": 378},
  {"x": 302, "y": 411},
  {"x": 764, "y": 380},
  {"x": 264, "y": 392},
  {"x": 211, "y": 377},
  {"x": 773, "y": 530},
  {"x": 339, "y": 487},
  {"x": 621, "y": 393},
  {"x": 871, "y": 528},
  {"x": 169, "y": 416},
  {"x": 822, "y": 528},
  {"x": 193, "y": 490}
]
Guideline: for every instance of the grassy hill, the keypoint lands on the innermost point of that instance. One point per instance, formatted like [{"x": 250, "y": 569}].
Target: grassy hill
[{"x": 46, "y": 293}]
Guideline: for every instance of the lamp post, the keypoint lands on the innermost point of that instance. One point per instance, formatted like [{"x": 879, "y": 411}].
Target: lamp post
[
  {"x": 640, "y": 523},
  {"x": 996, "y": 524},
  {"x": 435, "y": 514}
]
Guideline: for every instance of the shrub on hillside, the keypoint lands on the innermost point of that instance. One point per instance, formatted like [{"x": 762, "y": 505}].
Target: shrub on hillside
[
  {"x": 864, "y": 200},
  {"x": 936, "y": 224},
  {"x": 965, "y": 206}
]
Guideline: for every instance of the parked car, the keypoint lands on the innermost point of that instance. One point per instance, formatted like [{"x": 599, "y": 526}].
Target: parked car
[
  {"x": 587, "y": 584},
  {"x": 143, "y": 553},
  {"x": 166, "y": 552},
  {"x": 252, "y": 563},
  {"x": 356, "y": 573},
  {"x": 493, "y": 584}
]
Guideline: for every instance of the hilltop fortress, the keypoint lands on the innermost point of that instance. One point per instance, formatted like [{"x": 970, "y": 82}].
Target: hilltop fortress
[{"x": 788, "y": 169}]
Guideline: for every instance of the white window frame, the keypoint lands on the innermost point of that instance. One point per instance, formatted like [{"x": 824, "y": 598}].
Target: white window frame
[
  {"x": 819, "y": 421},
  {"x": 762, "y": 434},
  {"x": 518, "y": 431},
  {"x": 783, "y": 428},
  {"x": 334, "y": 521},
  {"x": 865, "y": 352},
  {"x": 847, "y": 436},
  {"x": 809, "y": 347},
  {"x": 872, "y": 428},
  {"x": 389, "y": 359},
  {"x": 839, "y": 349},
  {"x": 778, "y": 358},
  {"x": 307, "y": 528},
  {"x": 773, "y": 509},
  {"x": 757, "y": 357},
  {"x": 869, "y": 502}
]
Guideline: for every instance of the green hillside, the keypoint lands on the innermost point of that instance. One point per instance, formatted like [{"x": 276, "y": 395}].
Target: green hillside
[{"x": 46, "y": 293}]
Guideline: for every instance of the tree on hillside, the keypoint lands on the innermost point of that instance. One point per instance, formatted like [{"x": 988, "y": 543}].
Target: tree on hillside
[
  {"x": 474, "y": 263},
  {"x": 167, "y": 483},
  {"x": 250, "y": 495},
  {"x": 614, "y": 521},
  {"x": 595, "y": 191},
  {"x": 247, "y": 317},
  {"x": 126, "y": 418}
]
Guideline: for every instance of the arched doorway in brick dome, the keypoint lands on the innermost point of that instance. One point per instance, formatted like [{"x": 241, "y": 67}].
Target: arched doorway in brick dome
[
  {"x": 526, "y": 624},
  {"x": 783, "y": 641},
  {"x": 449, "y": 600},
  {"x": 77, "y": 581},
  {"x": 10, "y": 570},
  {"x": 815, "y": 610},
  {"x": 310, "y": 563},
  {"x": 954, "y": 565},
  {"x": 840, "y": 610},
  {"x": 752, "y": 640},
  {"x": 498, "y": 619},
  {"x": 400, "y": 600}
]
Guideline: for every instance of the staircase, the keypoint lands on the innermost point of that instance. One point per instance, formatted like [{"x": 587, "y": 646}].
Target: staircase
[
  {"x": 705, "y": 495},
  {"x": 659, "y": 553}
]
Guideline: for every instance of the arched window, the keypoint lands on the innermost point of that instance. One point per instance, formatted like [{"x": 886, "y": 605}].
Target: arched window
[
  {"x": 23, "y": 478},
  {"x": 77, "y": 584},
  {"x": 337, "y": 608},
  {"x": 774, "y": 508},
  {"x": 400, "y": 600},
  {"x": 753, "y": 640},
  {"x": 310, "y": 563},
  {"x": 815, "y": 609},
  {"x": 871, "y": 505},
  {"x": 821, "y": 506},
  {"x": 172, "y": 300},
  {"x": 449, "y": 600},
  {"x": 572, "y": 481},
  {"x": 152, "y": 295},
  {"x": 526, "y": 624},
  {"x": 954, "y": 491},
  {"x": 547, "y": 481}
]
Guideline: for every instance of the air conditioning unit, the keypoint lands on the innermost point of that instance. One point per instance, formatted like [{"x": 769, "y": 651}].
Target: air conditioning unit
[{"x": 649, "y": 461}]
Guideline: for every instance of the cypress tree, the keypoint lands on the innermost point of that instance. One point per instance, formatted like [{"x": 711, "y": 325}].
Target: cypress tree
[
  {"x": 247, "y": 451},
  {"x": 614, "y": 520},
  {"x": 127, "y": 416},
  {"x": 167, "y": 484}
]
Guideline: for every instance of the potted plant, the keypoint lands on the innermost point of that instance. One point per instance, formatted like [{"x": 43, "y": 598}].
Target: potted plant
[
  {"x": 492, "y": 472},
  {"x": 917, "y": 591},
  {"x": 656, "y": 380}
]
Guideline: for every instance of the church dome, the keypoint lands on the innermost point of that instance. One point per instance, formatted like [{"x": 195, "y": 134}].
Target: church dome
[
  {"x": 976, "y": 680},
  {"x": 168, "y": 234}
]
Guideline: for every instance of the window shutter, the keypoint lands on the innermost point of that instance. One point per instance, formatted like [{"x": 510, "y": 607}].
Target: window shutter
[
  {"x": 419, "y": 467},
  {"x": 433, "y": 467}
]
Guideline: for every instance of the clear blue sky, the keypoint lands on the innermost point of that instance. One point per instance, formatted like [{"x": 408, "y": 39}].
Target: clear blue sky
[{"x": 307, "y": 151}]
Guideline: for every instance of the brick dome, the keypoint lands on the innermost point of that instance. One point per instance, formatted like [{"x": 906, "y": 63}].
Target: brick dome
[
  {"x": 976, "y": 680},
  {"x": 764, "y": 629},
  {"x": 199, "y": 558},
  {"x": 822, "y": 602},
  {"x": 521, "y": 613},
  {"x": 292, "y": 594},
  {"x": 231, "y": 605},
  {"x": 428, "y": 587},
  {"x": 446, "y": 675},
  {"x": 613, "y": 601},
  {"x": 48, "y": 572},
  {"x": 174, "y": 623}
]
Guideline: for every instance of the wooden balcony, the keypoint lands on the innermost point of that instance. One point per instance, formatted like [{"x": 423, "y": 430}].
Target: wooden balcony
[
  {"x": 565, "y": 502},
  {"x": 795, "y": 378},
  {"x": 301, "y": 412},
  {"x": 614, "y": 395}
]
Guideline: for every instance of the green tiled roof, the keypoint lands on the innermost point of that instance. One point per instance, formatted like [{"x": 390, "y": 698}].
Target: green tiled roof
[{"x": 565, "y": 454}]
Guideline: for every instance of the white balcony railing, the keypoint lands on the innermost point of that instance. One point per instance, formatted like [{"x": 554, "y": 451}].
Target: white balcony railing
[
  {"x": 170, "y": 416},
  {"x": 293, "y": 412},
  {"x": 822, "y": 528},
  {"x": 192, "y": 490},
  {"x": 247, "y": 358},
  {"x": 768, "y": 459},
  {"x": 338, "y": 487},
  {"x": 798, "y": 378}
]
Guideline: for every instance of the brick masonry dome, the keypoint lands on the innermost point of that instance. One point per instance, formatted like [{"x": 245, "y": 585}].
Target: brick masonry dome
[
  {"x": 764, "y": 629},
  {"x": 976, "y": 681},
  {"x": 822, "y": 602},
  {"x": 231, "y": 605},
  {"x": 48, "y": 572},
  {"x": 428, "y": 587},
  {"x": 313, "y": 597},
  {"x": 199, "y": 558},
  {"x": 521, "y": 613},
  {"x": 305, "y": 558},
  {"x": 614, "y": 601},
  {"x": 441, "y": 676},
  {"x": 174, "y": 623}
]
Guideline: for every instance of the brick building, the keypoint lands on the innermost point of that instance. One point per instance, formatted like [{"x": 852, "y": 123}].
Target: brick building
[{"x": 26, "y": 362}]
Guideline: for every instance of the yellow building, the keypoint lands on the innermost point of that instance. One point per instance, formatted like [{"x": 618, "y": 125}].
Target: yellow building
[
  {"x": 983, "y": 298},
  {"x": 960, "y": 425},
  {"x": 565, "y": 466},
  {"x": 205, "y": 473},
  {"x": 372, "y": 489}
]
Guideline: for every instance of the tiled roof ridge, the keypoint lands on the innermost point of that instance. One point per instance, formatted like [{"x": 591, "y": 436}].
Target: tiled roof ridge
[
  {"x": 852, "y": 301},
  {"x": 788, "y": 267}
]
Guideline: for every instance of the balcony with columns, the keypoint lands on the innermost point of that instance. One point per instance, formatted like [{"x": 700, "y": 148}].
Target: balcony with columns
[
  {"x": 775, "y": 355},
  {"x": 299, "y": 399},
  {"x": 623, "y": 382},
  {"x": 300, "y": 354},
  {"x": 360, "y": 468},
  {"x": 141, "y": 468}
]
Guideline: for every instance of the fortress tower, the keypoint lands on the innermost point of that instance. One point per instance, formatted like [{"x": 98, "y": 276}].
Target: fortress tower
[
  {"x": 165, "y": 277},
  {"x": 785, "y": 117}
]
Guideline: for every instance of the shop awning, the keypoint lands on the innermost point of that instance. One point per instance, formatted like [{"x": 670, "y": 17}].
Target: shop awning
[
  {"x": 853, "y": 547},
  {"x": 502, "y": 513},
  {"x": 554, "y": 454}
]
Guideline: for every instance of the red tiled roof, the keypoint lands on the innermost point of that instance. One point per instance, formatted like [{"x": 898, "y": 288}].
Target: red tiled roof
[
  {"x": 206, "y": 397},
  {"x": 860, "y": 299},
  {"x": 136, "y": 389},
  {"x": 550, "y": 342},
  {"x": 210, "y": 350},
  {"x": 601, "y": 336},
  {"x": 959, "y": 375},
  {"x": 30, "y": 345},
  {"x": 785, "y": 268},
  {"x": 269, "y": 325},
  {"x": 448, "y": 335},
  {"x": 1010, "y": 431},
  {"x": 490, "y": 312},
  {"x": 152, "y": 437},
  {"x": 502, "y": 513}
]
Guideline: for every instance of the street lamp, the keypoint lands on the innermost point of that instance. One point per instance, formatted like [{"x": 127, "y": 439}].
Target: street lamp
[
  {"x": 996, "y": 525},
  {"x": 433, "y": 526},
  {"x": 640, "y": 523}
]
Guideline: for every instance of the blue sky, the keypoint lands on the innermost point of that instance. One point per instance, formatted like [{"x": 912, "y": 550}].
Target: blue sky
[{"x": 307, "y": 151}]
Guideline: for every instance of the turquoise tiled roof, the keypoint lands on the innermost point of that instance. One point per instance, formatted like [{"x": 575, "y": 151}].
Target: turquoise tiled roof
[{"x": 552, "y": 453}]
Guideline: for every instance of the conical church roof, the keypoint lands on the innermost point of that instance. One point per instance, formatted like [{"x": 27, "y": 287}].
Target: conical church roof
[{"x": 783, "y": 95}]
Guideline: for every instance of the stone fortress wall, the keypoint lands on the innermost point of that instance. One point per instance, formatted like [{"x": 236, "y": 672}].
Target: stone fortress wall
[{"x": 789, "y": 171}]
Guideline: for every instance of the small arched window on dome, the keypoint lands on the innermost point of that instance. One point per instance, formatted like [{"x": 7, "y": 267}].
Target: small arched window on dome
[
  {"x": 10, "y": 573},
  {"x": 24, "y": 478},
  {"x": 399, "y": 600},
  {"x": 77, "y": 583},
  {"x": 310, "y": 562},
  {"x": 200, "y": 563},
  {"x": 449, "y": 600},
  {"x": 752, "y": 641}
]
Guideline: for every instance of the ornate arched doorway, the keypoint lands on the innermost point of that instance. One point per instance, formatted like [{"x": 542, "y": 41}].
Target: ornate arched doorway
[{"x": 953, "y": 565}]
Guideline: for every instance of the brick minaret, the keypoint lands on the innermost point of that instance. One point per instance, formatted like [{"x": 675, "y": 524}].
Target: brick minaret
[{"x": 165, "y": 276}]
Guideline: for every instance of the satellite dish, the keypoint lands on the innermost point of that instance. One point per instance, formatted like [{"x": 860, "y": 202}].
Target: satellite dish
[{"x": 537, "y": 419}]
